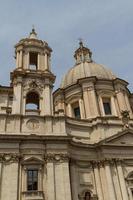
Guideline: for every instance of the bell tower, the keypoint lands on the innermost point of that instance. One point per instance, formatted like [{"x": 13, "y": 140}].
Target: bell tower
[{"x": 32, "y": 79}]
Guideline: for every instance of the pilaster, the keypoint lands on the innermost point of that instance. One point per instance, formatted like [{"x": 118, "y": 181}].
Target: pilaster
[
  {"x": 97, "y": 180},
  {"x": 110, "y": 183},
  {"x": 122, "y": 180}
]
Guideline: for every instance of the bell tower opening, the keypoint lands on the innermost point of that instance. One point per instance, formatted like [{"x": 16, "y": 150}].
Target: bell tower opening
[
  {"x": 33, "y": 57},
  {"x": 32, "y": 103}
]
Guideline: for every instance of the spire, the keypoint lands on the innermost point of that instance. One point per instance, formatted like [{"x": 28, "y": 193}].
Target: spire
[
  {"x": 33, "y": 34},
  {"x": 82, "y": 54}
]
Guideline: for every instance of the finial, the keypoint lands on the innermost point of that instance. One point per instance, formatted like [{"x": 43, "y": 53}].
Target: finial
[
  {"x": 33, "y": 28},
  {"x": 81, "y": 42},
  {"x": 33, "y": 34}
]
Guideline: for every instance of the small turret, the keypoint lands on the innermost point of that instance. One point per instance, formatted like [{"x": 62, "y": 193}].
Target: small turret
[
  {"x": 82, "y": 54},
  {"x": 32, "y": 53}
]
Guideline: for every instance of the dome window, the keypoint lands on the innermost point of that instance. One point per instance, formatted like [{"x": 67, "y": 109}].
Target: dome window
[
  {"x": 76, "y": 110},
  {"x": 107, "y": 106},
  {"x": 33, "y": 60}
]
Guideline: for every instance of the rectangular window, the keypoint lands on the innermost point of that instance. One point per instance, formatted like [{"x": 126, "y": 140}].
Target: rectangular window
[
  {"x": 107, "y": 106},
  {"x": 77, "y": 112},
  {"x": 32, "y": 179}
]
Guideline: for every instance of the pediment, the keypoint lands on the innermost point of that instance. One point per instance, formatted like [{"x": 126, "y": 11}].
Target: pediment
[
  {"x": 32, "y": 160},
  {"x": 124, "y": 138}
]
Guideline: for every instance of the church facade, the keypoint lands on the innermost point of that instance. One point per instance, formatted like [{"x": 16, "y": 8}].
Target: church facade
[{"x": 75, "y": 143}]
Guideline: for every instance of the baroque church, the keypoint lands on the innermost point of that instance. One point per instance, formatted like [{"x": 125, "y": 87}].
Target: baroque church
[{"x": 75, "y": 143}]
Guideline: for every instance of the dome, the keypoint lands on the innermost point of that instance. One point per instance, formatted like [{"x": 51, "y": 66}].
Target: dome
[{"x": 84, "y": 68}]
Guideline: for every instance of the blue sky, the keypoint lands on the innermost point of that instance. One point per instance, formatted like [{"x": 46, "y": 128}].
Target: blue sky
[{"x": 106, "y": 27}]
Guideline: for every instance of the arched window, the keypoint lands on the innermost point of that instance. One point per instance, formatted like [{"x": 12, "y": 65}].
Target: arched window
[
  {"x": 87, "y": 196},
  {"x": 32, "y": 103}
]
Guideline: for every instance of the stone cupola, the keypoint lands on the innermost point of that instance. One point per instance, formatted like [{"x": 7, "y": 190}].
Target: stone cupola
[
  {"x": 32, "y": 53},
  {"x": 82, "y": 54}
]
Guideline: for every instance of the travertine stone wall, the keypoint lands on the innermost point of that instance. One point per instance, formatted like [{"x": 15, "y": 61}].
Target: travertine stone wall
[{"x": 9, "y": 185}]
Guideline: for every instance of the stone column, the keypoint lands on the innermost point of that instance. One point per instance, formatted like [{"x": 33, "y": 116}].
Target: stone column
[
  {"x": 116, "y": 182},
  {"x": 49, "y": 63},
  {"x": 82, "y": 110},
  {"x": 121, "y": 99},
  {"x": 103, "y": 180},
  {"x": 74, "y": 180},
  {"x": 40, "y": 185},
  {"x": 20, "y": 58},
  {"x": 86, "y": 102},
  {"x": 17, "y": 98},
  {"x": 113, "y": 106},
  {"x": 122, "y": 181},
  {"x": 27, "y": 60},
  {"x": 59, "y": 182},
  {"x": 69, "y": 110},
  {"x": 93, "y": 101},
  {"x": 46, "y": 61},
  {"x": 98, "y": 181},
  {"x": 50, "y": 180},
  {"x": 42, "y": 62},
  {"x": 24, "y": 179},
  {"x": 20, "y": 181},
  {"x": 47, "y": 100},
  {"x": 24, "y": 104},
  {"x": 39, "y": 62},
  {"x": 66, "y": 181},
  {"x": 1, "y": 172},
  {"x": 110, "y": 184},
  {"x": 17, "y": 59}
]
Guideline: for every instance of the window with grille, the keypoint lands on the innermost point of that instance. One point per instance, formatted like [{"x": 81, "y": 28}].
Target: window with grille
[
  {"x": 32, "y": 179},
  {"x": 76, "y": 110},
  {"x": 107, "y": 106}
]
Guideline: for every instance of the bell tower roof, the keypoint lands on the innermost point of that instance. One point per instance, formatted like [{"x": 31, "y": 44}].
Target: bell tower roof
[{"x": 33, "y": 56}]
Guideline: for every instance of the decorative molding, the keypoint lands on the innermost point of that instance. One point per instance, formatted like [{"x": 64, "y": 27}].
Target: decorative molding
[
  {"x": 59, "y": 157},
  {"x": 32, "y": 124},
  {"x": 8, "y": 158},
  {"x": 125, "y": 118},
  {"x": 33, "y": 85}
]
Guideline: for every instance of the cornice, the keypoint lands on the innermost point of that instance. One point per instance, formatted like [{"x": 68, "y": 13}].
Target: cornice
[
  {"x": 7, "y": 89},
  {"x": 32, "y": 74},
  {"x": 33, "y": 137}
]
